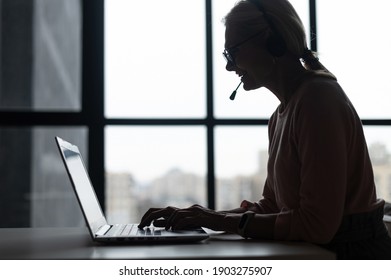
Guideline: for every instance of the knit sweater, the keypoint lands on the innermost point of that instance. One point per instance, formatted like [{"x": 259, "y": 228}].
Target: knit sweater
[{"x": 319, "y": 168}]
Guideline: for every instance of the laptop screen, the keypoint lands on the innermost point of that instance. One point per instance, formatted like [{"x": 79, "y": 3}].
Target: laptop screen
[{"x": 82, "y": 185}]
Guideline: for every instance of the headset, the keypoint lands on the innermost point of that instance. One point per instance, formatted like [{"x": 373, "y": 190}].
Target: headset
[{"x": 275, "y": 44}]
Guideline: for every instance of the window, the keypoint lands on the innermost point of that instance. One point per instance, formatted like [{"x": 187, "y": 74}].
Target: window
[
  {"x": 161, "y": 91},
  {"x": 40, "y": 95},
  {"x": 353, "y": 58},
  {"x": 241, "y": 161},
  {"x": 40, "y": 56},
  {"x": 379, "y": 146},
  {"x": 146, "y": 98},
  {"x": 235, "y": 132},
  {"x": 155, "y": 61},
  {"x": 151, "y": 166}
]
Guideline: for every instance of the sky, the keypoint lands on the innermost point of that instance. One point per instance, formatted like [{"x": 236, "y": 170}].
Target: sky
[{"x": 155, "y": 67}]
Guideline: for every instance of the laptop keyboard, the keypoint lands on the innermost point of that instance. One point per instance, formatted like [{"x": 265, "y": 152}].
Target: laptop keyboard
[{"x": 131, "y": 230}]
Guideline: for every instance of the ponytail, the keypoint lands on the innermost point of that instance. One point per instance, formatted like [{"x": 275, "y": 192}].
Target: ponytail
[{"x": 311, "y": 62}]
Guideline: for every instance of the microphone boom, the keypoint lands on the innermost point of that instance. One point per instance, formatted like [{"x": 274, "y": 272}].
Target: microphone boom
[{"x": 233, "y": 94}]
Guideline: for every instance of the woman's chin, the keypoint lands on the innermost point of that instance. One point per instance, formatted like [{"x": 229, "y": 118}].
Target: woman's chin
[{"x": 250, "y": 86}]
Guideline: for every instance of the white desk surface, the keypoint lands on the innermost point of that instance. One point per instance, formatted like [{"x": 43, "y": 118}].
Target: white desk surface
[{"x": 75, "y": 243}]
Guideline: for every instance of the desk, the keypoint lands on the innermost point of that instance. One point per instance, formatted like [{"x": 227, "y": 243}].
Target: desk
[{"x": 75, "y": 243}]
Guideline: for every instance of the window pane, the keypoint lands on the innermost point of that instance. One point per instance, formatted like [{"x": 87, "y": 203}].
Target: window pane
[
  {"x": 352, "y": 49},
  {"x": 254, "y": 104},
  {"x": 35, "y": 189},
  {"x": 153, "y": 167},
  {"x": 241, "y": 161},
  {"x": 40, "y": 55},
  {"x": 155, "y": 58},
  {"x": 379, "y": 145}
]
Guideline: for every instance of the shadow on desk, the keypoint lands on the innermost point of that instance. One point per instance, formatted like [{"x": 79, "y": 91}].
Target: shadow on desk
[{"x": 75, "y": 243}]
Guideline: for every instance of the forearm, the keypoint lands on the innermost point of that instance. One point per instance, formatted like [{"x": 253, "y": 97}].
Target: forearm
[
  {"x": 259, "y": 227},
  {"x": 234, "y": 211},
  {"x": 246, "y": 205}
]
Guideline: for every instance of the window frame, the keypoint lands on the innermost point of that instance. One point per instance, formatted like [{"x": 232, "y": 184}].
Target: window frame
[{"x": 92, "y": 112}]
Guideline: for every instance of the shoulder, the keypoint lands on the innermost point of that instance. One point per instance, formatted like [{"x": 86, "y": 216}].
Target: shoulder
[
  {"x": 321, "y": 92},
  {"x": 321, "y": 102}
]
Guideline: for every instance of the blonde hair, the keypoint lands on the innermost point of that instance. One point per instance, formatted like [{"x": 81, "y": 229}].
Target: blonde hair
[{"x": 285, "y": 20}]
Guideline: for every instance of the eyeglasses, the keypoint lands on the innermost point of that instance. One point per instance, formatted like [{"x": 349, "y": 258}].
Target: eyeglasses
[{"x": 229, "y": 53}]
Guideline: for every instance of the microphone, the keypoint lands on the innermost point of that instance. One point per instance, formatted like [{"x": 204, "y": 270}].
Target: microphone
[{"x": 233, "y": 94}]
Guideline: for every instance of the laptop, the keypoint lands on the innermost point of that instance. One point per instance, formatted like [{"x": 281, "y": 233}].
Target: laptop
[{"x": 96, "y": 222}]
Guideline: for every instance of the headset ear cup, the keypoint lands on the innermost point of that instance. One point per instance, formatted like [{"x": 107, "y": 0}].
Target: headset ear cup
[
  {"x": 276, "y": 46},
  {"x": 275, "y": 43}
]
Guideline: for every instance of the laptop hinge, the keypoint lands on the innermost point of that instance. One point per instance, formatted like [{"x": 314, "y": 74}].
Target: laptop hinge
[{"x": 103, "y": 230}]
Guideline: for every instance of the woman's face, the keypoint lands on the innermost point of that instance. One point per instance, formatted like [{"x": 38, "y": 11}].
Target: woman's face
[{"x": 251, "y": 61}]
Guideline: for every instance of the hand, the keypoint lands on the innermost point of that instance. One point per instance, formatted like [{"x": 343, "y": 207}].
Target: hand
[
  {"x": 177, "y": 219},
  {"x": 157, "y": 216}
]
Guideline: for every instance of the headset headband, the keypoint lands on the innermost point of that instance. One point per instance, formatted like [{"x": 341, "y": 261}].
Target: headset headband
[{"x": 275, "y": 43}]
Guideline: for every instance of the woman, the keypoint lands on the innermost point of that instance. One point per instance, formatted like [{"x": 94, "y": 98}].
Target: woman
[{"x": 320, "y": 185}]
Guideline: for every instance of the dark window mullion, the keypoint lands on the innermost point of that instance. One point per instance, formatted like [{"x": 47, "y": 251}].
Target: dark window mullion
[
  {"x": 313, "y": 26},
  {"x": 93, "y": 90},
  {"x": 24, "y": 118},
  {"x": 210, "y": 121}
]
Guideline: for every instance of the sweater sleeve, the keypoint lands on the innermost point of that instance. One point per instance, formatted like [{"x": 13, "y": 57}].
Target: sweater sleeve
[
  {"x": 268, "y": 205},
  {"x": 321, "y": 129}
]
